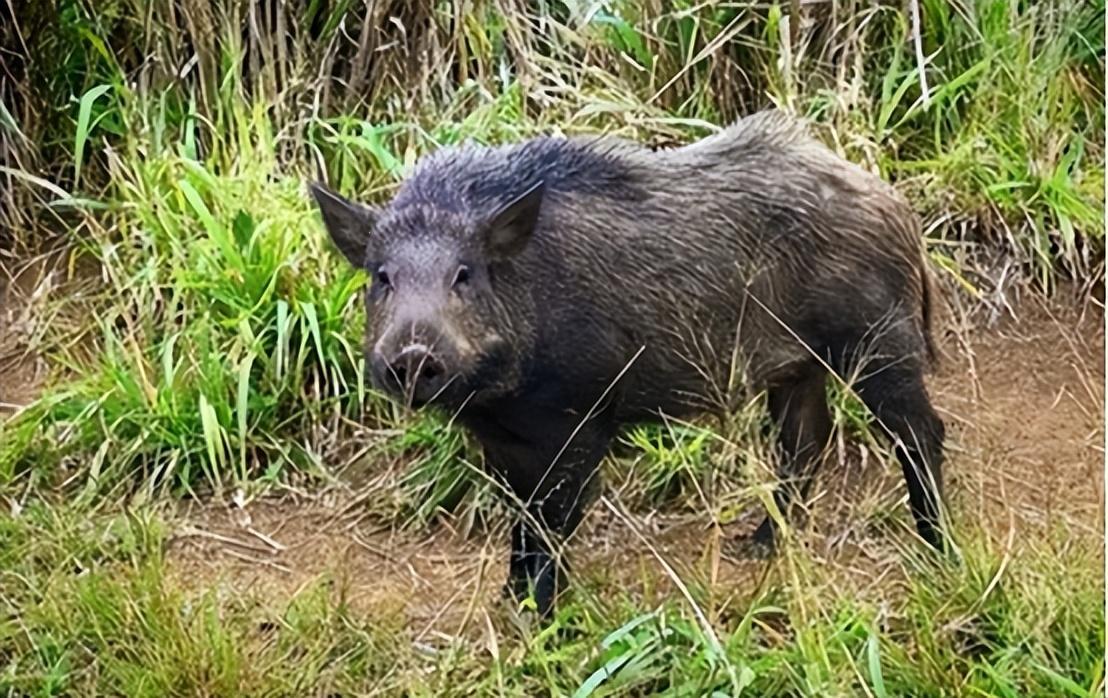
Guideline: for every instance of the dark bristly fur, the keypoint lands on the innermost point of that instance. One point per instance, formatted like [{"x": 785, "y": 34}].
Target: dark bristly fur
[{"x": 552, "y": 291}]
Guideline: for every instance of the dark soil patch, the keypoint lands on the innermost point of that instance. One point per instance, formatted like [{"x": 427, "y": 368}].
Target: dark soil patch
[{"x": 21, "y": 372}]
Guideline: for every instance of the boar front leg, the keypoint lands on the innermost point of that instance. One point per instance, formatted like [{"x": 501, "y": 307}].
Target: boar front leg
[{"x": 552, "y": 492}]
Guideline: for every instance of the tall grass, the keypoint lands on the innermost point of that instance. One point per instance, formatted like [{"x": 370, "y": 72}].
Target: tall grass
[{"x": 1009, "y": 136}]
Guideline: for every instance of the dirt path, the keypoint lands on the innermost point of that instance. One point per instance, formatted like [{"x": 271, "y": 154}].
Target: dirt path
[
  {"x": 23, "y": 292},
  {"x": 1024, "y": 408}
]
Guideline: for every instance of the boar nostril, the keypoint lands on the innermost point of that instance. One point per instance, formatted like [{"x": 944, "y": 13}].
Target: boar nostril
[
  {"x": 400, "y": 372},
  {"x": 430, "y": 370}
]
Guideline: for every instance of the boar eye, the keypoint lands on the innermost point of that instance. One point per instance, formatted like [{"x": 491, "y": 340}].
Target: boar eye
[
  {"x": 382, "y": 277},
  {"x": 461, "y": 278}
]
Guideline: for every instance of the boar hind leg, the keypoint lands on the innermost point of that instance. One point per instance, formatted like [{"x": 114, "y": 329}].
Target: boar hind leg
[
  {"x": 799, "y": 410},
  {"x": 897, "y": 397}
]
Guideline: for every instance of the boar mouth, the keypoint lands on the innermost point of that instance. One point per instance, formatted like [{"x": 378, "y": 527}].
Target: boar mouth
[{"x": 440, "y": 398}]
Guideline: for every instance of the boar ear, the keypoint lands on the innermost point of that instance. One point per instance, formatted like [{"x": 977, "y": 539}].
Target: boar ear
[
  {"x": 348, "y": 223},
  {"x": 510, "y": 228}
]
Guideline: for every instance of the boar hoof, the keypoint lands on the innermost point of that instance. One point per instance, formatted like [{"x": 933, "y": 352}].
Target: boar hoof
[
  {"x": 759, "y": 545},
  {"x": 752, "y": 549},
  {"x": 540, "y": 585}
]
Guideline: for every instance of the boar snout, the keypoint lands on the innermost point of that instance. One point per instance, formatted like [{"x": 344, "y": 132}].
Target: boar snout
[{"x": 414, "y": 373}]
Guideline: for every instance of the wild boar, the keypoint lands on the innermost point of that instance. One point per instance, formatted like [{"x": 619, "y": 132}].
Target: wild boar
[{"x": 549, "y": 293}]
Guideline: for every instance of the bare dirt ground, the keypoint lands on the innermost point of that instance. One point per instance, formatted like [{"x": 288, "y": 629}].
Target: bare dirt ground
[{"x": 1024, "y": 405}]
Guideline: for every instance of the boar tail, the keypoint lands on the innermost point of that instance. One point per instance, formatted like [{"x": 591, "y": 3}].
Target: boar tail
[{"x": 928, "y": 314}]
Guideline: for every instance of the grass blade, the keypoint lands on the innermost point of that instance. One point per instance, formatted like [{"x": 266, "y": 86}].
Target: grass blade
[
  {"x": 84, "y": 126},
  {"x": 873, "y": 661}
]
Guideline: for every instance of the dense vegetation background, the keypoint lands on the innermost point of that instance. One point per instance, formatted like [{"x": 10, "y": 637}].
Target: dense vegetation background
[{"x": 200, "y": 340}]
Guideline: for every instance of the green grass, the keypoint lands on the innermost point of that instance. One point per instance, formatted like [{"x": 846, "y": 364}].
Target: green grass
[
  {"x": 89, "y": 609},
  {"x": 205, "y": 340}
]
